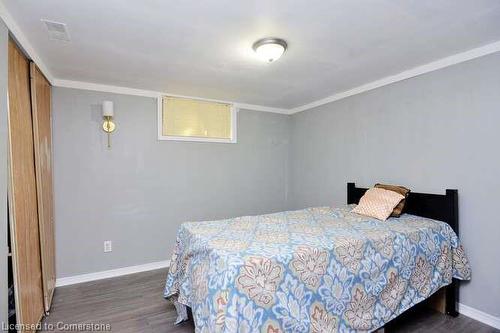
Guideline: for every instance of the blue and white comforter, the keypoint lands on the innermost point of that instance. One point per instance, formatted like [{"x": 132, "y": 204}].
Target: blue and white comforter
[{"x": 313, "y": 270}]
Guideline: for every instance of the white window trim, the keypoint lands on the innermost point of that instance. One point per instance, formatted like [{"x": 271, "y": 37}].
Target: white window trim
[{"x": 161, "y": 137}]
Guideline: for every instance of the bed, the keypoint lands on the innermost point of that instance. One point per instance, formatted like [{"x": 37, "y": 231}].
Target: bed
[{"x": 319, "y": 269}]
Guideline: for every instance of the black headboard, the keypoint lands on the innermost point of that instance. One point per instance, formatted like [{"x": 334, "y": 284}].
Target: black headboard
[{"x": 442, "y": 207}]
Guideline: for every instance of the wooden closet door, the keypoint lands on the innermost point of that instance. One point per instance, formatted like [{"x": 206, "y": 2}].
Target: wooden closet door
[
  {"x": 25, "y": 240},
  {"x": 42, "y": 132}
]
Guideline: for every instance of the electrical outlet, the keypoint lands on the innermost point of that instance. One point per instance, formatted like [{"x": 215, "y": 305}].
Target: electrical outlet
[{"x": 108, "y": 246}]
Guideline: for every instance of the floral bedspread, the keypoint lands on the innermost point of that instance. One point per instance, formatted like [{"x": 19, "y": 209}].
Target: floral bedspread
[{"x": 314, "y": 270}]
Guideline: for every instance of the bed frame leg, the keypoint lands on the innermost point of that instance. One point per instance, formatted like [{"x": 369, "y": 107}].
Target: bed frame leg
[{"x": 452, "y": 299}]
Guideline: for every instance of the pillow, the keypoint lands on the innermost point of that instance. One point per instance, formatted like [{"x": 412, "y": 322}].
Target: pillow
[
  {"x": 378, "y": 203},
  {"x": 398, "y": 210}
]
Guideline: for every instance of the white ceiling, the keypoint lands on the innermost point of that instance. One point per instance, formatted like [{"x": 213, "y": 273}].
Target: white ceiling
[{"x": 203, "y": 48}]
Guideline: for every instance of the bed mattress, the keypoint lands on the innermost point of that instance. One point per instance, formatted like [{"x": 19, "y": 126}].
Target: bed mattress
[{"x": 319, "y": 269}]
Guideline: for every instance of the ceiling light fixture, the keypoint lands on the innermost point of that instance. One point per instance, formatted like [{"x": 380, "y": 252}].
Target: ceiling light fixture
[{"x": 269, "y": 49}]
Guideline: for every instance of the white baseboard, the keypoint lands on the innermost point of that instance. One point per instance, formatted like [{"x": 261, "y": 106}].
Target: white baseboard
[
  {"x": 66, "y": 281},
  {"x": 481, "y": 316}
]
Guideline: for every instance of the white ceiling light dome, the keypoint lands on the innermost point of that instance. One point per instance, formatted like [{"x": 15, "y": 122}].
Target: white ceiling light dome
[{"x": 269, "y": 49}]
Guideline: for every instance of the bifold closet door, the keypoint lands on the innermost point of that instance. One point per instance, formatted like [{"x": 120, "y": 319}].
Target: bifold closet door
[
  {"x": 42, "y": 132},
  {"x": 25, "y": 240}
]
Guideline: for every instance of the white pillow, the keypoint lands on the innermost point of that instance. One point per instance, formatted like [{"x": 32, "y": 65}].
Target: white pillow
[{"x": 378, "y": 203}]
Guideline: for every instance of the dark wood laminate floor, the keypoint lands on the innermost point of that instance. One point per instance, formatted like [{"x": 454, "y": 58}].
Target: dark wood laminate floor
[{"x": 134, "y": 303}]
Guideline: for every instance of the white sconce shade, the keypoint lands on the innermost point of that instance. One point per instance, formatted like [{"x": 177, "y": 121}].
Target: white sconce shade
[{"x": 107, "y": 109}]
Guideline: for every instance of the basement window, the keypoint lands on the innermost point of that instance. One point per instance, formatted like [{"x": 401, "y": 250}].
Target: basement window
[{"x": 185, "y": 119}]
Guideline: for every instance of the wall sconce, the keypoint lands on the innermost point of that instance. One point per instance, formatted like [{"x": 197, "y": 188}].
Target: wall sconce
[{"x": 107, "y": 113}]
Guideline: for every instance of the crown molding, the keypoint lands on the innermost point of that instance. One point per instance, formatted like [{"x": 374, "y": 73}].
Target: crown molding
[
  {"x": 156, "y": 94},
  {"x": 416, "y": 71},
  {"x": 23, "y": 41},
  {"x": 105, "y": 88},
  {"x": 261, "y": 108},
  {"x": 21, "y": 38},
  {"x": 16, "y": 31}
]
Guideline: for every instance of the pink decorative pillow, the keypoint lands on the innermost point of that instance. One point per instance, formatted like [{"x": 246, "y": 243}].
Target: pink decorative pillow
[{"x": 378, "y": 203}]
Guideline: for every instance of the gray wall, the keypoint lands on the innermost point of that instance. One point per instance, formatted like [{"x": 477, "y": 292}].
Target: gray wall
[
  {"x": 4, "y": 37},
  {"x": 432, "y": 132},
  {"x": 436, "y": 131},
  {"x": 137, "y": 193}
]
